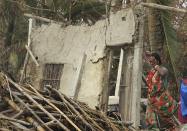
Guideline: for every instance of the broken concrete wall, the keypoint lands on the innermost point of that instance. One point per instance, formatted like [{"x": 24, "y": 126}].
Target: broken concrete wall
[
  {"x": 131, "y": 94},
  {"x": 55, "y": 44}
]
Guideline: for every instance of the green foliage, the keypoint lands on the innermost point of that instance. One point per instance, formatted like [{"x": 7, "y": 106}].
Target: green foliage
[
  {"x": 87, "y": 10},
  {"x": 170, "y": 36},
  {"x": 67, "y": 10},
  {"x": 14, "y": 25},
  {"x": 12, "y": 18}
]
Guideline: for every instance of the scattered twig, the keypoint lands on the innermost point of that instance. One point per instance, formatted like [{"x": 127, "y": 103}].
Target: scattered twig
[
  {"x": 14, "y": 120},
  {"x": 52, "y": 105},
  {"x": 85, "y": 114},
  {"x": 39, "y": 106},
  {"x": 53, "y": 111},
  {"x": 18, "y": 114},
  {"x": 32, "y": 112},
  {"x": 76, "y": 112}
]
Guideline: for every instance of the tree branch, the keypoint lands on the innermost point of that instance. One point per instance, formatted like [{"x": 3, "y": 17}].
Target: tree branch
[{"x": 162, "y": 7}]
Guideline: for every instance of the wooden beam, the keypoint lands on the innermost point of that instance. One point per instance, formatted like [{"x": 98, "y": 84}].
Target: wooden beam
[
  {"x": 119, "y": 73},
  {"x": 32, "y": 56},
  {"x": 113, "y": 100},
  {"x": 27, "y": 55},
  {"x": 162, "y": 7},
  {"x": 105, "y": 90},
  {"x": 42, "y": 19},
  {"x": 125, "y": 101}
]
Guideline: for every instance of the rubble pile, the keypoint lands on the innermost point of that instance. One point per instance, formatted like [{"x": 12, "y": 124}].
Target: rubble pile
[{"x": 23, "y": 107}]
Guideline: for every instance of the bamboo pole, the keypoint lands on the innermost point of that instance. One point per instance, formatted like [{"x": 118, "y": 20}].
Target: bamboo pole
[
  {"x": 15, "y": 107},
  {"x": 120, "y": 68},
  {"x": 34, "y": 123},
  {"x": 32, "y": 112},
  {"x": 52, "y": 105},
  {"x": 42, "y": 19},
  {"x": 37, "y": 104},
  {"x": 88, "y": 117},
  {"x": 42, "y": 114},
  {"x": 4, "y": 129},
  {"x": 114, "y": 128},
  {"x": 7, "y": 111},
  {"x": 32, "y": 56},
  {"x": 84, "y": 113},
  {"x": 18, "y": 114},
  {"x": 162, "y": 7},
  {"x": 20, "y": 126},
  {"x": 50, "y": 123},
  {"x": 38, "y": 99},
  {"x": 76, "y": 112},
  {"x": 14, "y": 120},
  {"x": 27, "y": 54}
]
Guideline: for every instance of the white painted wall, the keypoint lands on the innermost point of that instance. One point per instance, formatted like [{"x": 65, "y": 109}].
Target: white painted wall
[{"x": 54, "y": 44}]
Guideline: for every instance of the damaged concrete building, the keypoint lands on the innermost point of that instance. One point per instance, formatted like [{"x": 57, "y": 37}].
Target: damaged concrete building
[{"x": 77, "y": 60}]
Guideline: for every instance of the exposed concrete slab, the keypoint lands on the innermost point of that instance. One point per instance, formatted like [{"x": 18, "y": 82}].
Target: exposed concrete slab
[{"x": 121, "y": 28}]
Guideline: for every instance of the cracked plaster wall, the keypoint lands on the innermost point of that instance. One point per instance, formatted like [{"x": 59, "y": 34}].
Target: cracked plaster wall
[{"x": 55, "y": 44}]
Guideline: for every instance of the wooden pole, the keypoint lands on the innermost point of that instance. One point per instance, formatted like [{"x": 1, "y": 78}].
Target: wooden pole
[
  {"x": 38, "y": 105},
  {"x": 31, "y": 111},
  {"x": 123, "y": 4},
  {"x": 76, "y": 112},
  {"x": 15, "y": 107},
  {"x": 52, "y": 105},
  {"x": 119, "y": 74},
  {"x": 84, "y": 113},
  {"x": 162, "y": 7},
  {"x": 109, "y": 122},
  {"x": 23, "y": 128},
  {"x": 18, "y": 114},
  {"x": 38, "y": 99},
  {"x": 105, "y": 90},
  {"x": 27, "y": 55},
  {"x": 32, "y": 56},
  {"x": 14, "y": 120},
  {"x": 42, "y": 19}
]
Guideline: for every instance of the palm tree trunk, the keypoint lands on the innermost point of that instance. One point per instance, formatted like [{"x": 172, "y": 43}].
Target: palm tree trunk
[{"x": 155, "y": 29}]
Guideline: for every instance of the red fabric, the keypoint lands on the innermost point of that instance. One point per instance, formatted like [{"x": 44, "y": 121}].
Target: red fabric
[
  {"x": 185, "y": 81},
  {"x": 180, "y": 117},
  {"x": 155, "y": 101}
]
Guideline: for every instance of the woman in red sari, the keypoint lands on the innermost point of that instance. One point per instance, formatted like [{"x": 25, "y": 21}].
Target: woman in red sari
[{"x": 161, "y": 105}]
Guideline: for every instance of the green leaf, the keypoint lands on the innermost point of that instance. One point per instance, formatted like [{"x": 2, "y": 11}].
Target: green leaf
[{"x": 170, "y": 36}]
